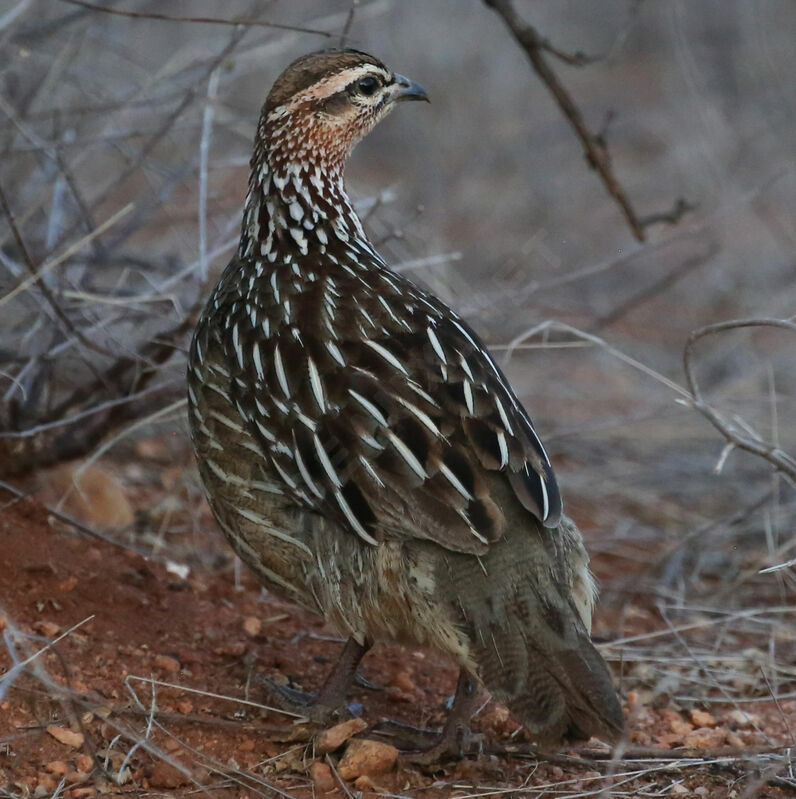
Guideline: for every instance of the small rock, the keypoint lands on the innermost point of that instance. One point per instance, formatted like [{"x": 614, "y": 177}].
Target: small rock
[
  {"x": 246, "y": 745},
  {"x": 82, "y": 792},
  {"x": 397, "y": 695},
  {"x": 57, "y": 767},
  {"x": 742, "y": 719},
  {"x": 167, "y": 663},
  {"x": 84, "y": 763},
  {"x": 404, "y": 682},
  {"x": 92, "y": 495},
  {"x": 679, "y": 726},
  {"x": 678, "y": 789},
  {"x": 702, "y": 719},
  {"x": 48, "y": 628},
  {"x": 322, "y": 778},
  {"x": 704, "y": 738},
  {"x": 252, "y": 626},
  {"x": 45, "y": 787},
  {"x": 185, "y": 706},
  {"x": 368, "y": 758},
  {"x": 164, "y": 775},
  {"x": 363, "y": 783},
  {"x": 66, "y": 736},
  {"x": 336, "y": 736}
]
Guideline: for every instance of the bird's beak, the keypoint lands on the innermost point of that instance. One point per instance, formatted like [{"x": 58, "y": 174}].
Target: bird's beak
[{"x": 405, "y": 89}]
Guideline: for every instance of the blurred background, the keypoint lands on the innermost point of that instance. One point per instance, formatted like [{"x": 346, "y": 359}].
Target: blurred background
[{"x": 125, "y": 143}]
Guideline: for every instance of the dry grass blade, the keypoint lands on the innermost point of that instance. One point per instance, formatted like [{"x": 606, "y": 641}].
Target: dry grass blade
[{"x": 753, "y": 443}]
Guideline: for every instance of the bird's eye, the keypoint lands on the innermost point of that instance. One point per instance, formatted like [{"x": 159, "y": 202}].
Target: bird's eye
[{"x": 368, "y": 85}]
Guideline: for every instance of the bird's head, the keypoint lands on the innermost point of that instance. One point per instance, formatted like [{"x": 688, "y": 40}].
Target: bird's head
[{"x": 324, "y": 103}]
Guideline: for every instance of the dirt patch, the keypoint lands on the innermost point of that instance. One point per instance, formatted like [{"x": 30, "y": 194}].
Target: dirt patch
[{"x": 152, "y": 687}]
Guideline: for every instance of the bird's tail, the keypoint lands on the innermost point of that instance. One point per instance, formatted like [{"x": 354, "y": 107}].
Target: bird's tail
[{"x": 528, "y": 640}]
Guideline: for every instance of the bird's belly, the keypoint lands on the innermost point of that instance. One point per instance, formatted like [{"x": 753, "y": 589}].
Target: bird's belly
[
  {"x": 266, "y": 531},
  {"x": 386, "y": 593}
]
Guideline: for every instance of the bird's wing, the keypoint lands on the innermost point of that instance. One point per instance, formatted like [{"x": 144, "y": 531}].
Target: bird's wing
[{"x": 383, "y": 409}]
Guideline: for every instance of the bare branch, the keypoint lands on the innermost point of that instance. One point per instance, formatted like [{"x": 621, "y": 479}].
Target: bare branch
[
  {"x": 251, "y": 23},
  {"x": 757, "y": 446},
  {"x": 597, "y": 155},
  {"x": 348, "y": 22}
]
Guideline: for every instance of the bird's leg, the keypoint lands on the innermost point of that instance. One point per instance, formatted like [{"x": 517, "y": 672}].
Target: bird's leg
[
  {"x": 331, "y": 699},
  {"x": 455, "y": 737},
  {"x": 426, "y": 746}
]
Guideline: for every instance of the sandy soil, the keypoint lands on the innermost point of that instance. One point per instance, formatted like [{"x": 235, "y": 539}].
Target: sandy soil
[{"x": 151, "y": 689}]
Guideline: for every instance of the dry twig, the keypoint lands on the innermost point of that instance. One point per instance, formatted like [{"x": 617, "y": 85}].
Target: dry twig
[
  {"x": 597, "y": 155},
  {"x": 777, "y": 457}
]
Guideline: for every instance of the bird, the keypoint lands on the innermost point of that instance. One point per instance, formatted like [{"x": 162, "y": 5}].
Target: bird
[{"x": 362, "y": 451}]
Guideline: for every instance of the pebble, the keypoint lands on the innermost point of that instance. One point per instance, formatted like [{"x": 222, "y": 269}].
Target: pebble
[
  {"x": 84, "y": 763},
  {"x": 743, "y": 719},
  {"x": 66, "y": 736},
  {"x": 363, "y": 783},
  {"x": 336, "y": 736},
  {"x": 322, "y": 778},
  {"x": 164, "y": 775},
  {"x": 704, "y": 738},
  {"x": 367, "y": 758},
  {"x": 252, "y": 626},
  {"x": 404, "y": 682},
  {"x": 167, "y": 663},
  {"x": 702, "y": 719}
]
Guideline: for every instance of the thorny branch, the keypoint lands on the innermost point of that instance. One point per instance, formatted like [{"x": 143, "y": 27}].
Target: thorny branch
[
  {"x": 597, "y": 155},
  {"x": 251, "y": 23},
  {"x": 770, "y": 452}
]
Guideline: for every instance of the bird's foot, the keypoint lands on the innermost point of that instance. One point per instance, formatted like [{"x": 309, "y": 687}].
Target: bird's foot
[
  {"x": 425, "y": 747},
  {"x": 451, "y": 744},
  {"x": 321, "y": 708}
]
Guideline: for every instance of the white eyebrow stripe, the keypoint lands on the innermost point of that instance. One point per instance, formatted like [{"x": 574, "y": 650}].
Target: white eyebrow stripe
[
  {"x": 407, "y": 454},
  {"x": 336, "y": 83},
  {"x": 369, "y": 407},
  {"x": 325, "y": 462},
  {"x": 387, "y": 355}
]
